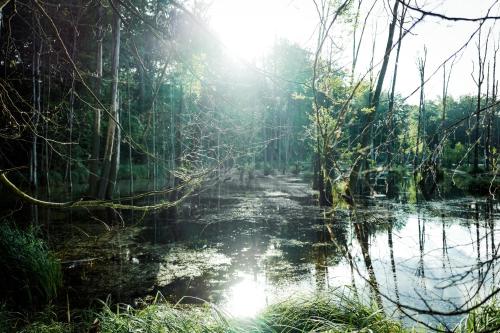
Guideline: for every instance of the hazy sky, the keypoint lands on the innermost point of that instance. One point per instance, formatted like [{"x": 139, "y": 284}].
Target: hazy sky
[{"x": 249, "y": 27}]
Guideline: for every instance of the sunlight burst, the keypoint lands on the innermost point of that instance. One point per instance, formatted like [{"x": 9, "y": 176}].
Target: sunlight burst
[
  {"x": 246, "y": 297},
  {"x": 245, "y": 29}
]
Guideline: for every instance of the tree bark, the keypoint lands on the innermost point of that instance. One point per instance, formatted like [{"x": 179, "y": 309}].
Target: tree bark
[
  {"x": 491, "y": 113},
  {"x": 111, "y": 143},
  {"x": 421, "y": 115},
  {"x": 374, "y": 104},
  {"x": 96, "y": 136}
]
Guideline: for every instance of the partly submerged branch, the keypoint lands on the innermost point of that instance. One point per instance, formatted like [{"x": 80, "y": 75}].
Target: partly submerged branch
[{"x": 82, "y": 203}]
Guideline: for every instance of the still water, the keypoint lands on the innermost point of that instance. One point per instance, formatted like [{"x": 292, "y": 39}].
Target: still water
[{"x": 244, "y": 245}]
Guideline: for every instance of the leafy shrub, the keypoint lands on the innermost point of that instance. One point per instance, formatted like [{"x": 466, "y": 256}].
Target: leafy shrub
[
  {"x": 31, "y": 275},
  {"x": 484, "y": 319}
]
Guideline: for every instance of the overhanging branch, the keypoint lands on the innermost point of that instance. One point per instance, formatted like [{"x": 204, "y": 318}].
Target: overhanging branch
[{"x": 449, "y": 18}]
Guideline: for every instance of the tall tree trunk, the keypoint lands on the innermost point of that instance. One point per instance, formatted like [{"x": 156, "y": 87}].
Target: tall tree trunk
[
  {"x": 475, "y": 167},
  {"x": 390, "y": 111},
  {"x": 446, "y": 83},
  {"x": 177, "y": 159},
  {"x": 36, "y": 81},
  {"x": 391, "y": 136},
  {"x": 96, "y": 136},
  {"x": 105, "y": 180},
  {"x": 115, "y": 161},
  {"x": 480, "y": 79},
  {"x": 491, "y": 112},
  {"x": 69, "y": 169},
  {"x": 374, "y": 104},
  {"x": 421, "y": 135}
]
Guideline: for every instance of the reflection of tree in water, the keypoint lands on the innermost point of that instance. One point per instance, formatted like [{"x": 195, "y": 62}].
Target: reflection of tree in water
[
  {"x": 325, "y": 254},
  {"x": 393, "y": 262},
  {"x": 421, "y": 247},
  {"x": 474, "y": 281},
  {"x": 478, "y": 243},
  {"x": 361, "y": 231},
  {"x": 491, "y": 225},
  {"x": 320, "y": 254},
  {"x": 444, "y": 245}
]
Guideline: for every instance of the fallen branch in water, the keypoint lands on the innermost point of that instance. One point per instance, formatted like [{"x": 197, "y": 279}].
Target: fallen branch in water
[{"x": 83, "y": 203}]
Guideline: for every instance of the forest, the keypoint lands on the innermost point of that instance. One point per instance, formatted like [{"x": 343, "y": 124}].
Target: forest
[{"x": 249, "y": 166}]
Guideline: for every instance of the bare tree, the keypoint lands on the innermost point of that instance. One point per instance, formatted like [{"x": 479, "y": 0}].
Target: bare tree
[
  {"x": 421, "y": 132},
  {"x": 106, "y": 180},
  {"x": 361, "y": 162},
  {"x": 96, "y": 135},
  {"x": 481, "y": 63}
]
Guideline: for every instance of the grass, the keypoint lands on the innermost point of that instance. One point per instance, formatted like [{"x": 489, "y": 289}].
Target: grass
[
  {"x": 485, "y": 319},
  {"x": 30, "y": 274},
  {"x": 314, "y": 314},
  {"x": 327, "y": 314},
  {"x": 332, "y": 314}
]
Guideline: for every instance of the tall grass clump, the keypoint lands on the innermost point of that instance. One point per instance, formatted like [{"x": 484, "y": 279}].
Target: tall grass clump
[
  {"x": 484, "y": 319},
  {"x": 161, "y": 318},
  {"x": 331, "y": 314},
  {"x": 30, "y": 275},
  {"x": 311, "y": 314}
]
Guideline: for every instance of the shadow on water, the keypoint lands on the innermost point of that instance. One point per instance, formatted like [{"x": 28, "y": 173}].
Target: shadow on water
[{"x": 244, "y": 245}]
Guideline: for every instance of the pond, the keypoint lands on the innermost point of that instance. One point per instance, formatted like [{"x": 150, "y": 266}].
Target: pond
[{"x": 244, "y": 245}]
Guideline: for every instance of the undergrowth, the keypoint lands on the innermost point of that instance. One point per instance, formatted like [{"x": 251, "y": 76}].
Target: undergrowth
[
  {"x": 30, "y": 275},
  {"x": 333, "y": 314}
]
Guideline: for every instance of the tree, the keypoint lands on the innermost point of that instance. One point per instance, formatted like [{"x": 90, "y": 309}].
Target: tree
[
  {"x": 361, "y": 162},
  {"x": 111, "y": 150},
  {"x": 96, "y": 136}
]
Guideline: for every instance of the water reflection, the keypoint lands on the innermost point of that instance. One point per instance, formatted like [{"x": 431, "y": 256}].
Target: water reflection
[
  {"x": 247, "y": 245},
  {"x": 246, "y": 297}
]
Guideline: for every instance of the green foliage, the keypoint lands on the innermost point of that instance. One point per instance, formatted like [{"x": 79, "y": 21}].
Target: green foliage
[
  {"x": 53, "y": 327},
  {"x": 332, "y": 314},
  {"x": 30, "y": 275},
  {"x": 307, "y": 314},
  {"x": 484, "y": 319},
  {"x": 161, "y": 318},
  {"x": 479, "y": 184},
  {"x": 453, "y": 156}
]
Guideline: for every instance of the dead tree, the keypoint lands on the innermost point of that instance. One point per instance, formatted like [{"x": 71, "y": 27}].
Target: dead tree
[{"x": 109, "y": 163}]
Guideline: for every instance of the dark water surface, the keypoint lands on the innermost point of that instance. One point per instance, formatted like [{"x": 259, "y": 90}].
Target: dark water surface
[{"x": 244, "y": 245}]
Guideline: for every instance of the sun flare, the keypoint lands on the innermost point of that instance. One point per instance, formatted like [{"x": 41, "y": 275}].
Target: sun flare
[{"x": 246, "y": 30}]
